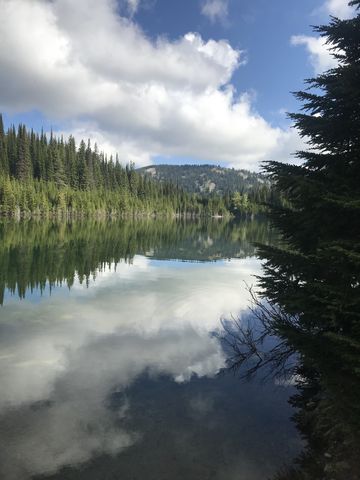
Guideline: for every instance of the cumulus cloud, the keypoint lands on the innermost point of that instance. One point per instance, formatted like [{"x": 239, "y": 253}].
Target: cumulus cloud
[
  {"x": 109, "y": 142},
  {"x": 215, "y": 9},
  {"x": 89, "y": 69},
  {"x": 320, "y": 56}
]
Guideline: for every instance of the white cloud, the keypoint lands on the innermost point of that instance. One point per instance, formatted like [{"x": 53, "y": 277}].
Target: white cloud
[
  {"x": 85, "y": 67},
  {"x": 108, "y": 142},
  {"x": 215, "y": 9},
  {"x": 339, "y": 8},
  {"x": 320, "y": 56},
  {"x": 290, "y": 142},
  {"x": 336, "y": 8},
  {"x": 133, "y": 6}
]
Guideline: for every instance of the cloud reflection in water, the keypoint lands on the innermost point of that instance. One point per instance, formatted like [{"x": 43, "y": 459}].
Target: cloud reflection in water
[{"x": 64, "y": 356}]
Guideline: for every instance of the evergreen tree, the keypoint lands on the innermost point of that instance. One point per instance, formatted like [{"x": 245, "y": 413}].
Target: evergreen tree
[
  {"x": 4, "y": 164},
  {"x": 96, "y": 166},
  {"x": 39, "y": 161},
  {"x": 23, "y": 161},
  {"x": 56, "y": 153},
  {"x": 314, "y": 279},
  {"x": 11, "y": 144},
  {"x": 89, "y": 168},
  {"x": 50, "y": 159},
  {"x": 132, "y": 178},
  {"x": 82, "y": 175},
  {"x": 70, "y": 163}
]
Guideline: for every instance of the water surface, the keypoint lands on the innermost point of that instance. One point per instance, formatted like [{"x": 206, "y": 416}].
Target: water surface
[{"x": 109, "y": 365}]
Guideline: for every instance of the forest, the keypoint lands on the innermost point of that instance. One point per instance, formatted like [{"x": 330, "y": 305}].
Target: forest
[{"x": 41, "y": 176}]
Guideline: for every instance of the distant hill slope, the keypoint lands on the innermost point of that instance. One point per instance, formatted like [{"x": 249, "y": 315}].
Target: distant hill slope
[{"x": 206, "y": 179}]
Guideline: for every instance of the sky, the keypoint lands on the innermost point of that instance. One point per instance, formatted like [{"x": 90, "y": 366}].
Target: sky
[{"x": 164, "y": 81}]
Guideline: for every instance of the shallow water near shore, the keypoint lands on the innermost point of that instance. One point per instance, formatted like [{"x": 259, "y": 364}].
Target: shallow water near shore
[{"x": 109, "y": 364}]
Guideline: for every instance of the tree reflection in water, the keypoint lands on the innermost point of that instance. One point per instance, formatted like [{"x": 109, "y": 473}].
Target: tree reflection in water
[{"x": 266, "y": 342}]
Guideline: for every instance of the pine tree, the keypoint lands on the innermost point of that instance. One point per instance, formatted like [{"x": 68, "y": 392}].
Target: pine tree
[
  {"x": 24, "y": 169},
  {"x": 49, "y": 159},
  {"x": 56, "y": 157},
  {"x": 4, "y": 163},
  {"x": 96, "y": 166},
  {"x": 81, "y": 160},
  {"x": 42, "y": 156},
  {"x": 70, "y": 162},
  {"x": 89, "y": 166},
  {"x": 12, "y": 149},
  {"x": 132, "y": 178},
  {"x": 315, "y": 277}
]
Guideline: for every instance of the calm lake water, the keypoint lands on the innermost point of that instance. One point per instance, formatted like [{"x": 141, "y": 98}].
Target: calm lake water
[{"x": 109, "y": 366}]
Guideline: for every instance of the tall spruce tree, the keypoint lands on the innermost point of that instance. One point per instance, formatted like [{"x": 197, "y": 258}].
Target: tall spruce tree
[
  {"x": 24, "y": 170},
  {"x": 89, "y": 169},
  {"x": 70, "y": 162},
  {"x": 4, "y": 163},
  {"x": 314, "y": 278},
  {"x": 82, "y": 171},
  {"x": 56, "y": 152}
]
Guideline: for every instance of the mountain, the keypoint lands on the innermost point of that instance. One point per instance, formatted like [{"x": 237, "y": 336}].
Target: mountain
[{"x": 206, "y": 179}]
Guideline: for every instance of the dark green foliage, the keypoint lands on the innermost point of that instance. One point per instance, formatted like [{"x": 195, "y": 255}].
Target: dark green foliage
[
  {"x": 4, "y": 164},
  {"x": 23, "y": 167},
  {"x": 315, "y": 276}
]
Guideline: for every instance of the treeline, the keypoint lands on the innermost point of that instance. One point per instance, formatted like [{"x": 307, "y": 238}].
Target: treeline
[{"x": 50, "y": 176}]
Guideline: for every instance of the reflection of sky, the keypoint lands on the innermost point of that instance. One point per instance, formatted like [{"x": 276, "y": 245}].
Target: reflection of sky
[
  {"x": 63, "y": 356},
  {"x": 143, "y": 299}
]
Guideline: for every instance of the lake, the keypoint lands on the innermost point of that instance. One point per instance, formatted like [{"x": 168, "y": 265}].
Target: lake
[{"x": 110, "y": 362}]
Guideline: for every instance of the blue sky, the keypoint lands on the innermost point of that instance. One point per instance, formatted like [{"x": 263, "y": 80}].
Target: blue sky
[
  {"x": 164, "y": 80},
  {"x": 261, "y": 28}
]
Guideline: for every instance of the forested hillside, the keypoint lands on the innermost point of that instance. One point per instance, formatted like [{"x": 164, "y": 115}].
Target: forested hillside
[
  {"x": 41, "y": 175},
  {"x": 211, "y": 179}
]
